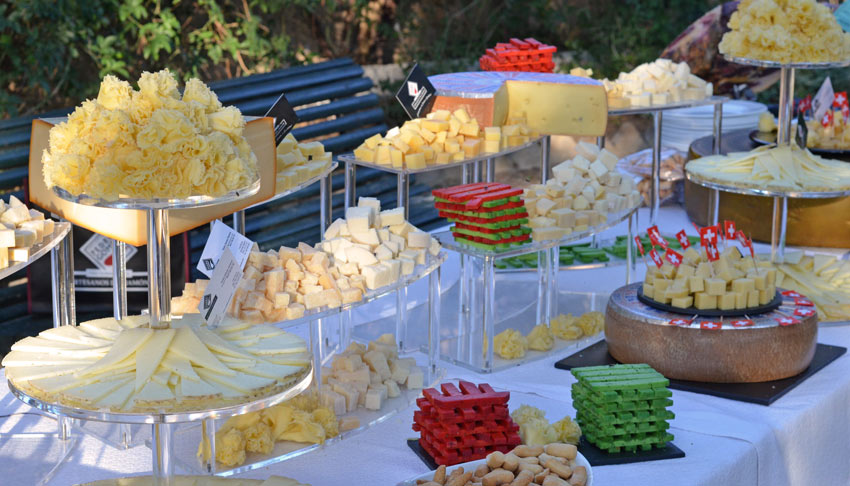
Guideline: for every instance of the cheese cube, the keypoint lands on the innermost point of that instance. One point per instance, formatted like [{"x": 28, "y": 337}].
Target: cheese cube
[
  {"x": 598, "y": 169},
  {"x": 7, "y": 238},
  {"x": 726, "y": 301},
  {"x": 492, "y": 134},
  {"x": 703, "y": 270},
  {"x": 564, "y": 218},
  {"x": 471, "y": 148},
  {"x": 683, "y": 302},
  {"x": 377, "y": 276},
  {"x": 415, "y": 161},
  {"x": 407, "y": 265},
  {"x": 351, "y": 295},
  {"x": 394, "y": 267},
  {"x": 581, "y": 202},
  {"x": 609, "y": 160},
  {"x": 587, "y": 150},
  {"x": 753, "y": 298},
  {"x": 715, "y": 286},
  {"x": 685, "y": 270},
  {"x": 374, "y": 400},
  {"x": 392, "y": 389},
  {"x": 368, "y": 237},
  {"x": 19, "y": 254},
  {"x": 418, "y": 239},
  {"x": 703, "y": 301},
  {"x": 416, "y": 379},
  {"x": 15, "y": 215},
  {"x": 759, "y": 278},
  {"x": 741, "y": 300},
  {"x": 696, "y": 284},
  {"x": 765, "y": 296},
  {"x": 281, "y": 300},
  {"x": 648, "y": 290},
  {"x": 544, "y": 206},
  {"x": 359, "y": 219},
  {"x": 461, "y": 115},
  {"x": 37, "y": 226},
  {"x": 24, "y": 238},
  {"x": 743, "y": 285}
]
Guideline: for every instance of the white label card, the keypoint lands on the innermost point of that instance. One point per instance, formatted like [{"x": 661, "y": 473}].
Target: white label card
[
  {"x": 221, "y": 237},
  {"x": 823, "y": 100},
  {"x": 220, "y": 290}
]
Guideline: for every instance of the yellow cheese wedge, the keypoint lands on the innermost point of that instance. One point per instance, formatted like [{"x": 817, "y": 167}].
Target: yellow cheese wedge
[
  {"x": 243, "y": 383},
  {"x": 118, "y": 397},
  {"x": 74, "y": 335},
  {"x": 94, "y": 392},
  {"x": 127, "y": 343},
  {"x": 149, "y": 355},
  {"x": 187, "y": 345},
  {"x": 196, "y": 389},
  {"x": 179, "y": 366},
  {"x": 220, "y": 346}
]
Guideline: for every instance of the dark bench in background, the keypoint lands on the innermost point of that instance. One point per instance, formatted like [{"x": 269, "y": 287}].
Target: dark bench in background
[{"x": 334, "y": 102}]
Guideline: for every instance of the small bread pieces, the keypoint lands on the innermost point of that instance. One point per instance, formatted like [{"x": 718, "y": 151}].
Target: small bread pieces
[{"x": 557, "y": 467}]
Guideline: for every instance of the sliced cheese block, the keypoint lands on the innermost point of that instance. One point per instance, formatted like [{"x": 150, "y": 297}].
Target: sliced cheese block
[
  {"x": 241, "y": 382},
  {"x": 269, "y": 370},
  {"x": 107, "y": 328},
  {"x": 551, "y": 103},
  {"x": 74, "y": 335},
  {"x": 153, "y": 393},
  {"x": 118, "y": 397},
  {"x": 127, "y": 343},
  {"x": 40, "y": 345},
  {"x": 283, "y": 344},
  {"x": 94, "y": 392},
  {"x": 295, "y": 359},
  {"x": 220, "y": 346},
  {"x": 197, "y": 389},
  {"x": 179, "y": 366},
  {"x": 150, "y": 354},
  {"x": 187, "y": 345}
]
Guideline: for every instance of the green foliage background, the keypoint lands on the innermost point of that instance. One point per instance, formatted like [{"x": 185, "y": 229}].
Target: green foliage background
[{"x": 53, "y": 53}]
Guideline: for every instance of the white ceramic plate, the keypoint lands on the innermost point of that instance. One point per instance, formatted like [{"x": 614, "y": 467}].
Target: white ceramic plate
[
  {"x": 580, "y": 460},
  {"x": 731, "y": 109}
]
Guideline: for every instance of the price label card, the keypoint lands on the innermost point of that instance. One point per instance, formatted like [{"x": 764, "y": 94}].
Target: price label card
[
  {"x": 223, "y": 237},
  {"x": 416, "y": 94},
  {"x": 221, "y": 288},
  {"x": 284, "y": 116},
  {"x": 823, "y": 100}
]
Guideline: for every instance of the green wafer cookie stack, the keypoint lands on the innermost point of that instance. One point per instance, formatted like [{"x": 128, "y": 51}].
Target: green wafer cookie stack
[{"x": 623, "y": 407}]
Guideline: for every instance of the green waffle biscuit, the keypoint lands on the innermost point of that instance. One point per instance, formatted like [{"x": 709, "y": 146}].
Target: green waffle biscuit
[{"x": 491, "y": 226}]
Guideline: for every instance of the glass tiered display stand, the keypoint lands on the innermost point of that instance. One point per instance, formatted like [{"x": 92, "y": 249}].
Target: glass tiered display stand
[
  {"x": 59, "y": 245},
  {"x": 784, "y": 136},
  {"x": 657, "y": 112},
  {"x": 159, "y": 300}
]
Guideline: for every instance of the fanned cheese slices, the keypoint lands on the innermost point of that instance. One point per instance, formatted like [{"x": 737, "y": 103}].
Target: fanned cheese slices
[
  {"x": 782, "y": 168},
  {"x": 125, "y": 366}
]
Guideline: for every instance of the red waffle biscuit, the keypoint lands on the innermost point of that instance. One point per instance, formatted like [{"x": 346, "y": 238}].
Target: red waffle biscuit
[
  {"x": 473, "y": 219},
  {"x": 463, "y": 207}
]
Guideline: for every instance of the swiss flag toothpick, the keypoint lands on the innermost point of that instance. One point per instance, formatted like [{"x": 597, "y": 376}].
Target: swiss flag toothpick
[
  {"x": 708, "y": 236},
  {"x": 656, "y": 258},
  {"x": 805, "y": 104},
  {"x": 803, "y": 302},
  {"x": 804, "y": 312},
  {"x": 673, "y": 257},
  {"x": 840, "y": 99},
  {"x": 729, "y": 229},
  {"x": 711, "y": 253},
  {"x": 791, "y": 293},
  {"x": 683, "y": 239},
  {"x": 826, "y": 121},
  {"x": 655, "y": 237},
  {"x": 711, "y": 325},
  {"x": 742, "y": 323},
  {"x": 787, "y": 321},
  {"x": 639, "y": 245},
  {"x": 680, "y": 322}
]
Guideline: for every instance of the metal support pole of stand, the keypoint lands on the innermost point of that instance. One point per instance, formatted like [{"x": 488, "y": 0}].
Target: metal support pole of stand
[
  {"x": 161, "y": 449},
  {"x": 239, "y": 222},
  {"x": 403, "y": 193},
  {"x": 433, "y": 323},
  {"x": 630, "y": 257},
  {"x": 489, "y": 309},
  {"x": 119, "y": 279},
  {"x": 655, "y": 197},
  {"x": 159, "y": 269},
  {"x": 476, "y": 171},
  {"x": 62, "y": 290},
  {"x": 209, "y": 434},
  {"x": 350, "y": 185},
  {"x": 401, "y": 319},
  {"x": 783, "y": 136},
  {"x": 545, "y": 145},
  {"x": 325, "y": 204},
  {"x": 490, "y": 173},
  {"x": 714, "y": 194},
  {"x": 554, "y": 267}
]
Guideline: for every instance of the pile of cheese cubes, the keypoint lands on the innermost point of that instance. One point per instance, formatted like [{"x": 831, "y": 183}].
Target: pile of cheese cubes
[
  {"x": 442, "y": 137},
  {"x": 298, "y": 162},
  {"x": 367, "y": 250},
  {"x": 730, "y": 282},
  {"x": 657, "y": 83},
  {"x": 584, "y": 191},
  {"x": 367, "y": 376},
  {"x": 20, "y": 229}
]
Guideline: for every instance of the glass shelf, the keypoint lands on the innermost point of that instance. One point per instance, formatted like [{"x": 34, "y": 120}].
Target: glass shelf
[
  {"x": 447, "y": 239},
  {"x": 156, "y": 203},
  {"x": 60, "y": 230},
  {"x": 302, "y": 185},
  {"x": 164, "y": 417},
  {"x": 755, "y": 191},
  {"x": 639, "y": 110},
  {"x": 793, "y": 65},
  {"x": 349, "y": 158}
]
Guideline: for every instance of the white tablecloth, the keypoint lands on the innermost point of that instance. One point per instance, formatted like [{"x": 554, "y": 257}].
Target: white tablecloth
[{"x": 802, "y": 439}]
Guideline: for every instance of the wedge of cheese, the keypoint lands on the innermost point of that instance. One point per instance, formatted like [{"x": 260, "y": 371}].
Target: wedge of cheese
[{"x": 555, "y": 104}]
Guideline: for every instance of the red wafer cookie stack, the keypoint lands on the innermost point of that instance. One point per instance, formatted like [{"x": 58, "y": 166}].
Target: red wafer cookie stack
[
  {"x": 460, "y": 425},
  {"x": 519, "y": 55}
]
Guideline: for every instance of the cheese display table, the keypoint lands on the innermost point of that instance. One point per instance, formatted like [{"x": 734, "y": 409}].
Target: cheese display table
[{"x": 808, "y": 424}]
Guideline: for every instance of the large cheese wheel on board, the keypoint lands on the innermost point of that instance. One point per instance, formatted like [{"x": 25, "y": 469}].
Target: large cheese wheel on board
[{"x": 552, "y": 104}]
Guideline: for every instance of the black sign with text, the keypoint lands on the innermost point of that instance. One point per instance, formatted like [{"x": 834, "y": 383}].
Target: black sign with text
[
  {"x": 284, "y": 118},
  {"x": 416, "y": 94}
]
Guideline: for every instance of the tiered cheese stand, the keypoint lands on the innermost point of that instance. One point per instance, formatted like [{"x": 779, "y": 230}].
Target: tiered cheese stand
[
  {"x": 159, "y": 299},
  {"x": 60, "y": 246},
  {"x": 471, "y": 344},
  {"x": 784, "y": 136},
  {"x": 657, "y": 112}
]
